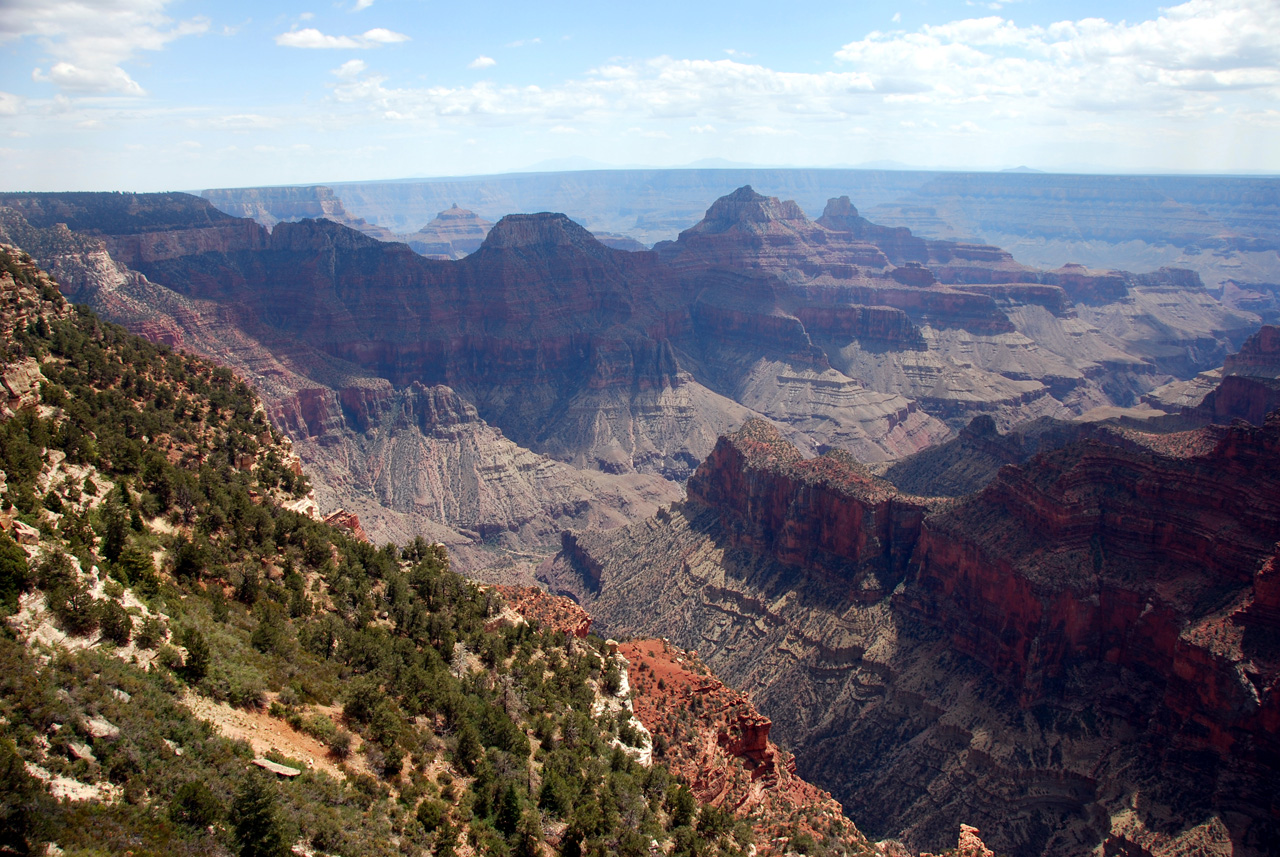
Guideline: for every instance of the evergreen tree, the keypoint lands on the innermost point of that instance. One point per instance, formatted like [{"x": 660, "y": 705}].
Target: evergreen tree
[
  {"x": 21, "y": 799},
  {"x": 469, "y": 750},
  {"x": 115, "y": 526},
  {"x": 258, "y": 830},
  {"x": 507, "y": 818},
  {"x": 196, "y": 664},
  {"x": 15, "y": 575}
]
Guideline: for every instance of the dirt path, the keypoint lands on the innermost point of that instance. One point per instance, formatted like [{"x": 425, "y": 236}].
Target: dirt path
[{"x": 264, "y": 733}]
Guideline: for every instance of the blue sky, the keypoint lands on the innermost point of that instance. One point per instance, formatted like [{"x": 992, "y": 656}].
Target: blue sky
[{"x": 188, "y": 94}]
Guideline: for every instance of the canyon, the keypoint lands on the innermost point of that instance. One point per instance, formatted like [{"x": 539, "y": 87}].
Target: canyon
[
  {"x": 547, "y": 380},
  {"x": 979, "y": 541},
  {"x": 1226, "y": 228},
  {"x": 1080, "y": 657}
]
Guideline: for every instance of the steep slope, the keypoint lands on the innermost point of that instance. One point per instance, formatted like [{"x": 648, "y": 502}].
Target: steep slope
[
  {"x": 630, "y": 364},
  {"x": 619, "y": 385},
  {"x": 1025, "y": 659},
  {"x": 1246, "y": 388},
  {"x": 971, "y": 459},
  {"x": 190, "y": 667},
  {"x": 980, "y": 333},
  {"x": 349, "y": 425}
]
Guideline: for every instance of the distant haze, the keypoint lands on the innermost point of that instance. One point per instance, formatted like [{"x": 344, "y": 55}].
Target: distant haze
[{"x": 157, "y": 94}]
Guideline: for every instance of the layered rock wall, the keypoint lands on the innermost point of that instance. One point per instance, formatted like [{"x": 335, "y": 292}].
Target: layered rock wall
[
  {"x": 824, "y": 513},
  {"x": 1099, "y": 625}
]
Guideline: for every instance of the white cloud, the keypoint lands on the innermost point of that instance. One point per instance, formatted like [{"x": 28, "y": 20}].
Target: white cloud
[
  {"x": 238, "y": 122},
  {"x": 350, "y": 69},
  {"x": 361, "y": 5},
  {"x": 765, "y": 131},
  {"x": 10, "y": 104},
  {"x": 96, "y": 81},
  {"x": 383, "y": 36},
  {"x": 312, "y": 38},
  {"x": 1090, "y": 65},
  {"x": 563, "y": 129},
  {"x": 89, "y": 41},
  {"x": 702, "y": 129},
  {"x": 482, "y": 62},
  {"x": 709, "y": 91},
  {"x": 520, "y": 43}
]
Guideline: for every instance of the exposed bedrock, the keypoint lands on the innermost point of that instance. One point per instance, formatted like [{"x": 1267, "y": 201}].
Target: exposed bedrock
[
  {"x": 635, "y": 362},
  {"x": 1089, "y": 644},
  {"x": 1258, "y": 357},
  {"x": 823, "y": 513}
]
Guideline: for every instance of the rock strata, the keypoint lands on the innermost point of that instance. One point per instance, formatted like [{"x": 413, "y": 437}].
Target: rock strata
[
  {"x": 621, "y": 364},
  {"x": 1095, "y": 627},
  {"x": 712, "y": 736},
  {"x": 451, "y": 234}
]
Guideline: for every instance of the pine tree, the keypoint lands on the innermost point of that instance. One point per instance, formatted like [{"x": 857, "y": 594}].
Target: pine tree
[
  {"x": 259, "y": 832},
  {"x": 508, "y": 815}
]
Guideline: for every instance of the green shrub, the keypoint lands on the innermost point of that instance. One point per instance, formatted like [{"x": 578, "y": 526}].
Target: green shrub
[
  {"x": 339, "y": 744},
  {"x": 196, "y": 664},
  {"x": 117, "y": 624},
  {"x": 23, "y": 803},
  {"x": 259, "y": 831},
  {"x": 15, "y": 574},
  {"x": 151, "y": 632},
  {"x": 74, "y": 607},
  {"x": 194, "y": 805}
]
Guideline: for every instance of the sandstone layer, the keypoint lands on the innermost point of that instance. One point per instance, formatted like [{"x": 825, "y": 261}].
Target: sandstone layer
[
  {"x": 623, "y": 366},
  {"x": 1081, "y": 656}
]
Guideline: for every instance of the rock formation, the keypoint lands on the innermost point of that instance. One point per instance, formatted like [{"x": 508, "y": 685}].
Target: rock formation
[
  {"x": 1088, "y": 643},
  {"x": 452, "y": 234},
  {"x": 621, "y": 364},
  {"x": 710, "y": 735},
  {"x": 549, "y": 612},
  {"x": 408, "y": 462},
  {"x": 272, "y": 205}
]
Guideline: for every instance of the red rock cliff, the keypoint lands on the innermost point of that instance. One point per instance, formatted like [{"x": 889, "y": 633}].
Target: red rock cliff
[
  {"x": 827, "y": 514},
  {"x": 1123, "y": 556}
]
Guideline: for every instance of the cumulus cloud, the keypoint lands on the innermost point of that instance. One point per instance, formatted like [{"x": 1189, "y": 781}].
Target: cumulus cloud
[
  {"x": 89, "y": 41},
  {"x": 662, "y": 88},
  {"x": 1091, "y": 65},
  {"x": 10, "y": 104},
  {"x": 311, "y": 38},
  {"x": 987, "y": 86},
  {"x": 482, "y": 62},
  {"x": 96, "y": 81}
]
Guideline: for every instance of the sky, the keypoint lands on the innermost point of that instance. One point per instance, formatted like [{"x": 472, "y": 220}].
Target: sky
[{"x": 190, "y": 94}]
